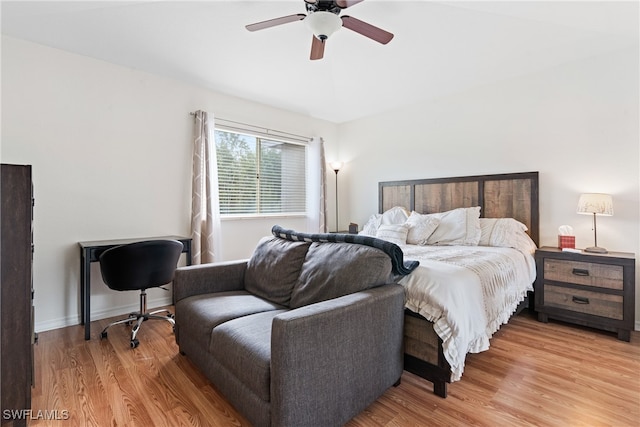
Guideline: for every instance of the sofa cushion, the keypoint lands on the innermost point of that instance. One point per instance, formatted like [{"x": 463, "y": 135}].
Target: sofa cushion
[
  {"x": 331, "y": 270},
  {"x": 201, "y": 313},
  {"x": 274, "y": 268},
  {"x": 243, "y": 346}
]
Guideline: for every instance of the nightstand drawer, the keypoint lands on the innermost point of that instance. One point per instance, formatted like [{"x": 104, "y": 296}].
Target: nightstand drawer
[
  {"x": 589, "y": 289},
  {"x": 584, "y": 273},
  {"x": 577, "y": 300}
]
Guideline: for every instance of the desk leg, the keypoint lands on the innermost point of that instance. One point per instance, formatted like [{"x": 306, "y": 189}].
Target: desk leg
[
  {"x": 85, "y": 293},
  {"x": 188, "y": 251},
  {"x": 82, "y": 286}
]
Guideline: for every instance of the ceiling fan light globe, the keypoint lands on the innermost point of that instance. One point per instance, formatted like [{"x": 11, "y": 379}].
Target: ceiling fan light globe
[{"x": 322, "y": 24}]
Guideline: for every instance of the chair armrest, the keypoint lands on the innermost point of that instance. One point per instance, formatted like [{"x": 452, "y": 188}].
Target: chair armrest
[
  {"x": 339, "y": 354},
  {"x": 207, "y": 278}
]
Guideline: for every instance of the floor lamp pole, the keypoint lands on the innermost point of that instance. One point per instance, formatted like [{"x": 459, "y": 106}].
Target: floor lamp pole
[
  {"x": 336, "y": 166},
  {"x": 336, "y": 171}
]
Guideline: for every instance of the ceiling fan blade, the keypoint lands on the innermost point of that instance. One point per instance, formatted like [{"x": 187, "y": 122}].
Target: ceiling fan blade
[
  {"x": 367, "y": 30},
  {"x": 273, "y": 22},
  {"x": 343, "y": 4},
  {"x": 317, "y": 48}
]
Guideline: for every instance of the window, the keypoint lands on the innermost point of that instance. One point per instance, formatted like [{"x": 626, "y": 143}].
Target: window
[{"x": 260, "y": 176}]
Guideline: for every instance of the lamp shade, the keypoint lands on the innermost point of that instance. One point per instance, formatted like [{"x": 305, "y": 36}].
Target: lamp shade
[
  {"x": 322, "y": 24},
  {"x": 595, "y": 203},
  {"x": 336, "y": 166}
]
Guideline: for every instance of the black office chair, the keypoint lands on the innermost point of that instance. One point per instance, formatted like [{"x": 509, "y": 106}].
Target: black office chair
[{"x": 140, "y": 266}]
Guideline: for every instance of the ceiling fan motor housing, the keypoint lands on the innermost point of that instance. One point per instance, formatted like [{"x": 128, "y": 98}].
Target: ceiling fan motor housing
[
  {"x": 322, "y": 24},
  {"x": 323, "y": 5}
]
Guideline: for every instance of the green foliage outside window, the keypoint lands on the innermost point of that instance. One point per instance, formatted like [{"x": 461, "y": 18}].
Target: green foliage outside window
[{"x": 259, "y": 176}]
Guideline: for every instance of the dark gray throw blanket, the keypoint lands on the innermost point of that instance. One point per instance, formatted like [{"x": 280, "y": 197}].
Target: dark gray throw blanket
[{"x": 395, "y": 253}]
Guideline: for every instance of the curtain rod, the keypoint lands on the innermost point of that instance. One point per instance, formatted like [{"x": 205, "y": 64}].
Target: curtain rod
[{"x": 265, "y": 131}]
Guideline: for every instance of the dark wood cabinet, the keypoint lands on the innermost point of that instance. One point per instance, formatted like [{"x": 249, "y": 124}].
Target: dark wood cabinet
[
  {"x": 596, "y": 290},
  {"x": 16, "y": 297}
]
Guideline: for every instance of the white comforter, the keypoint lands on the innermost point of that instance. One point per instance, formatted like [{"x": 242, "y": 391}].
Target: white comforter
[{"x": 468, "y": 292}]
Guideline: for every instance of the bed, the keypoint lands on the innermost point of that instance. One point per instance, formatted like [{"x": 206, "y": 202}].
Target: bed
[{"x": 514, "y": 196}]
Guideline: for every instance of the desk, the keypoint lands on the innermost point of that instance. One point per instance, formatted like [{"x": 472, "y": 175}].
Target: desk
[{"x": 90, "y": 252}]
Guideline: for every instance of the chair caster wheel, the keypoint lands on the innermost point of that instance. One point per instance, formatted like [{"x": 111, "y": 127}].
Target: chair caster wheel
[
  {"x": 172, "y": 316},
  {"x": 103, "y": 335},
  {"x": 134, "y": 343}
]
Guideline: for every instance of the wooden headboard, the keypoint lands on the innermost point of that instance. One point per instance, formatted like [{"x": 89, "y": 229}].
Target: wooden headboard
[{"x": 510, "y": 195}]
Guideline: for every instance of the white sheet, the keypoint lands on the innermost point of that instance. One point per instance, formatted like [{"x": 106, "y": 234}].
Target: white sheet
[{"x": 468, "y": 292}]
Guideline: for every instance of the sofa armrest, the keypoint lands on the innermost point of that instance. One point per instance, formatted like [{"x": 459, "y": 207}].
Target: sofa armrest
[
  {"x": 207, "y": 278},
  {"x": 339, "y": 354}
]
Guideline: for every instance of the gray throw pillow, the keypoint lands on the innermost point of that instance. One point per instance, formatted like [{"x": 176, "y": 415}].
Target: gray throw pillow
[
  {"x": 274, "y": 268},
  {"x": 331, "y": 270}
]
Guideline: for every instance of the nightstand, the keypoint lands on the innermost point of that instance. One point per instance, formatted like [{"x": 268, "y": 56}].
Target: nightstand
[{"x": 595, "y": 290}]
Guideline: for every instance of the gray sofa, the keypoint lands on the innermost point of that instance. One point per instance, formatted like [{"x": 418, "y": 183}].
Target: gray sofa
[{"x": 302, "y": 334}]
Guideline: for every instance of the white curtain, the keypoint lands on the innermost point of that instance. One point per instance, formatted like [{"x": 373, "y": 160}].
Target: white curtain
[
  {"x": 205, "y": 205},
  {"x": 316, "y": 187}
]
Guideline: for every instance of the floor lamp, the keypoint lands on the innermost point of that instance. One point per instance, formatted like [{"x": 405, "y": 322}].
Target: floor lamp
[{"x": 336, "y": 166}]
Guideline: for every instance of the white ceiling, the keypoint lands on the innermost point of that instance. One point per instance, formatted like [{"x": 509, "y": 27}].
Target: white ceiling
[{"x": 439, "y": 48}]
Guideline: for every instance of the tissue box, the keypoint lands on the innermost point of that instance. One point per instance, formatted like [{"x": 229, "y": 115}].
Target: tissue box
[{"x": 566, "y": 242}]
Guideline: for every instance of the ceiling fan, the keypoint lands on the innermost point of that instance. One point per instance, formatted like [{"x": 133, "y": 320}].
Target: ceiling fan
[{"x": 323, "y": 20}]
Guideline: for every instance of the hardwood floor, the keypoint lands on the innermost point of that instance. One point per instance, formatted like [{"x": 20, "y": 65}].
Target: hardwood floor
[{"x": 534, "y": 374}]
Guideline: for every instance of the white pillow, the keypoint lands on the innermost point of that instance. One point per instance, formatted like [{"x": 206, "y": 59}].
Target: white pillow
[
  {"x": 506, "y": 233},
  {"x": 457, "y": 227},
  {"x": 523, "y": 243},
  {"x": 488, "y": 225},
  {"x": 395, "y": 215},
  {"x": 420, "y": 228},
  {"x": 371, "y": 226},
  {"x": 394, "y": 233},
  {"x": 486, "y": 228}
]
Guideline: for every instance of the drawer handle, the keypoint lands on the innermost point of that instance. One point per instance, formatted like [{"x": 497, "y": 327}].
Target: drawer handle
[
  {"x": 580, "y": 272},
  {"x": 580, "y": 300}
]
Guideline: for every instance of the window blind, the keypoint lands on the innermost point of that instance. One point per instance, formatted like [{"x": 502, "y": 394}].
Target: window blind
[{"x": 260, "y": 176}]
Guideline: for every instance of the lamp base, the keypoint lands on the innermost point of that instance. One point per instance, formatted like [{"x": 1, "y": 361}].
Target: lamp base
[{"x": 597, "y": 250}]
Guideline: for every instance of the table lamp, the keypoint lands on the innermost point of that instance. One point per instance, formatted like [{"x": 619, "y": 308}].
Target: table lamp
[{"x": 596, "y": 204}]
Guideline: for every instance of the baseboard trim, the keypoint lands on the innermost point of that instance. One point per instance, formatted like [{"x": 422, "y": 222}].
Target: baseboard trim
[
  {"x": 115, "y": 311},
  {"x": 63, "y": 322}
]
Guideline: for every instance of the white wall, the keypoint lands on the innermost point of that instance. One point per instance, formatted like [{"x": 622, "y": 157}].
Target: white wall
[
  {"x": 111, "y": 155},
  {"x": 111, "y": 150},
  {"x": 576, "y": 124}
]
